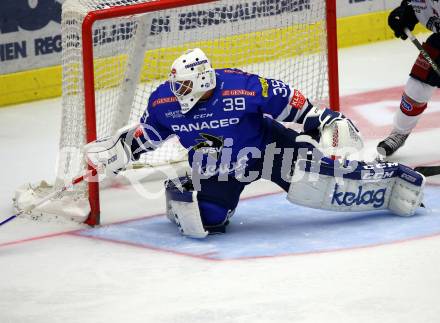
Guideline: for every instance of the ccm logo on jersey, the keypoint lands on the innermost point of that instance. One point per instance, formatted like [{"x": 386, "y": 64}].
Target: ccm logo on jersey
[
  {"x": 377, "y": 198},
  {"x": 205, "y": 125},
  {"x": 297, "y": 100}
]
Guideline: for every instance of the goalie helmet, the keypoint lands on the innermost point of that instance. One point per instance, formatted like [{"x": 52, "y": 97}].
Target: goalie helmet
[{"x": 191, "y": 77}]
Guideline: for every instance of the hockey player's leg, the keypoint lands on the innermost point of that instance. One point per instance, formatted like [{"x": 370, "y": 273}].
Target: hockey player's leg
[
  {"x": 414, "y": 102},
  {"x": 182, "y": 207},
  {"x": 282, "y": 150},
  {"x": 285, "y": 146},
  {"x": 215, "y": 217},
  {"x": 418, "y": 91}
]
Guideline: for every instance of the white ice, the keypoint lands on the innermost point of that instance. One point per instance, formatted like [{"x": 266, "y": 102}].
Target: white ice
[{"x": 66, "y": 278}]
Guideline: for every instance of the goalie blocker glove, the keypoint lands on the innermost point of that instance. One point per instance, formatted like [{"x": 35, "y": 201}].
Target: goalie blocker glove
[{"x": 402, "y": 17}]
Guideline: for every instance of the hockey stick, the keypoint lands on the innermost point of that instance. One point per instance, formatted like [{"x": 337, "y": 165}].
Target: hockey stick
[
  {"x": 424, "y": 53},
  {"x": 428, "y": 170},
  {"x": 75, "y": 181}
]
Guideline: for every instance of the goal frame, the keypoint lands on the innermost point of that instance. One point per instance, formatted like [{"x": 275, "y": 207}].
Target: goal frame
[{"x": 120, "y": 11}]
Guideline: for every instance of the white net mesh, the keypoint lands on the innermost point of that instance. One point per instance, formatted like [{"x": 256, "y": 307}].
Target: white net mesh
[{"x": 132, "y": 55}]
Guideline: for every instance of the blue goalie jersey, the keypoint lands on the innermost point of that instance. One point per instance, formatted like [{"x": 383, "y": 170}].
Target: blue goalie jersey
[{"x": 237, "y": 116}]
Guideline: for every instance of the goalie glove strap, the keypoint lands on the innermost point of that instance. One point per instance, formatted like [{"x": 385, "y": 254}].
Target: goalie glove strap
[
  {"x": 135, "y": 141},
  {"x": 319, "y": 118}
]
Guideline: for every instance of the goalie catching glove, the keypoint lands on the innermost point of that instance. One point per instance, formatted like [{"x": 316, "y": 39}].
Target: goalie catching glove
[
  {"x": 113, "y": 153},
  {"x": 336, "y": 134},
  {"x": 340, "y": 138}
]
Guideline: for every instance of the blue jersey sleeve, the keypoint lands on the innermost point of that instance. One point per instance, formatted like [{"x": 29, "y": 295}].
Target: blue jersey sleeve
[
  {"x": 281, "y": 101},
  {"x": 150, "y": 133},
  {"x": 155, "y": 132}
]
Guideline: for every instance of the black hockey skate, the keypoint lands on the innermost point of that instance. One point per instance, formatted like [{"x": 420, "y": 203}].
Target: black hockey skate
[{"x": 389, "y": 145}]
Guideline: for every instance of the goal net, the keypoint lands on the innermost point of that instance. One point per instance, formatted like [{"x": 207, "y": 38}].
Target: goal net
[{"x": 116, "y": 52}]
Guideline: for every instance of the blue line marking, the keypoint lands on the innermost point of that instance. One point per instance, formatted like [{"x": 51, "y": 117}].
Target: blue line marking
[{"x": 271, "y": 226}]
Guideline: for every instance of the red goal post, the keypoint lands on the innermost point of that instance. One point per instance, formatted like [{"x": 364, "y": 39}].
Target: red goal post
[{"x": 115, "y": 52}]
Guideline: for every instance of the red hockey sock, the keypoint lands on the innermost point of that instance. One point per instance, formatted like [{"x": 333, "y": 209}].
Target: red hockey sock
[{"x": 410, "y": 107}]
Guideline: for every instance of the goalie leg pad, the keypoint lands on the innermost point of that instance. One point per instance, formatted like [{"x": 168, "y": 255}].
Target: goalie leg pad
[
  {"x": 407, "y": 194},
  {"x": 195, "y": 217},
  {"x": 363, "y": 188},
  {"x": 182, "y": 208}
]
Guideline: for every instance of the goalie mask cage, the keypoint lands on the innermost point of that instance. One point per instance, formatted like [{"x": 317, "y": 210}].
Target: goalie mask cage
[{"x": 116, "y": 52}]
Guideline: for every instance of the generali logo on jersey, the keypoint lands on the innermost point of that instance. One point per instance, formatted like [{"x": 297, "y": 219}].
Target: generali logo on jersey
[
  {"x": 169, "y": 99},
  {"x": 238, "y": 93}
]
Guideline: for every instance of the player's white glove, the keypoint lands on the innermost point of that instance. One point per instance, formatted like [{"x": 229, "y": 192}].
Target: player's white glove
[
  {"x": 340, "y": 138},
  {"x": 110, "y": 153}
]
